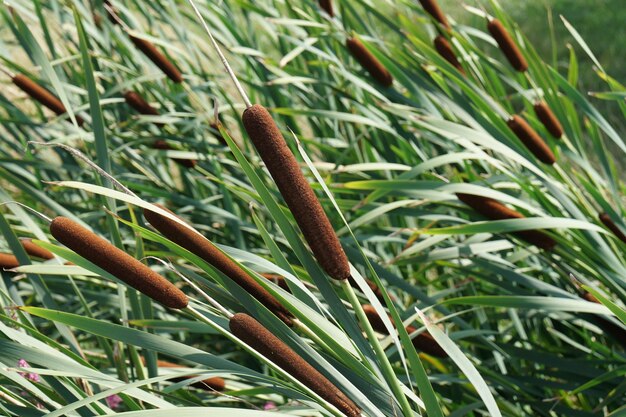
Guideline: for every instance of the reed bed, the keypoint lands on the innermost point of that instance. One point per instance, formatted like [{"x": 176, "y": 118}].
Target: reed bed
[
  {"x": 369, "y": 62},
  {"x": 117, "y": 262},
  {"x": 295, "y": 189},
  {"x": 444, "y": 49},
  {"x": 203, "y": 248},
  {"x": 36, "y": 251},
  {"x": 495, "y": 210},
  {"x": 610, "y": 224},
  {"x": 548, "y": 119},
  {"x": 263, "y": 341},
  {"x": 507, "y": 45},
  {"x": 531, "y": 139}
]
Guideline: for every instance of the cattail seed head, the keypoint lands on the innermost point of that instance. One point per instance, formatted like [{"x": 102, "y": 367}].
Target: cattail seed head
[
  {"x": 433, "y": 9},
  {"x": 117, "y": 262},
  {"x": 300, "y": 198},
  {"x": 278, "y": 280},
  {"x": 610, "y": 224},
  {"x": 368, "y": 61},
  {"x": 160, "y": 60},
  {"x": 209, "y": 384},
  {"x": 444, "y": 49},
  {"x": 203, "y": 248},
  {"x": 495, "y": 210},
  {"x": 423, "y": 342},
  {"x": 36, "y": 251},
  {"x": 531, "y": 139},
  {"x": 590, "y": 297},
  {"x": 548, "y": 119},
  {"x": 40, "y": 94},
  {"x": 8, "y": 261},
  {"x": 263, "y": 341},
  {"x": 327, "y": 5},
  {"x": 134, "y": 100},
  {"x": 163, "y": 145},
  {"x": 507, "y": 45}
]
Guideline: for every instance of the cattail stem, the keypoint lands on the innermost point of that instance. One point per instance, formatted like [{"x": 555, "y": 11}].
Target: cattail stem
[
  {"x": 160, "y": 60},
  {"x": 371, "y": 64},
  {"x": 117, "y": 262},
  {"x": 444, "y": 49},
  {"x": 548, "y": 119},
  {"x": 433, "y": 9},
  {"x": 278, "y": 352},
  {"x": 36, "y": 251},
  {"x": 610, "y": 224},
  {"x": 295, "y": 189},
  {"x": 423, "y": 341},
  {"x": 8, "y": 261},
  {"x": 507, "y": 45},
  {"x": 531, "y": 139},
  {"x": 203, "y": 248},
  {"x": 43, "y": 96},
  {"x": 495, "y": 210}
]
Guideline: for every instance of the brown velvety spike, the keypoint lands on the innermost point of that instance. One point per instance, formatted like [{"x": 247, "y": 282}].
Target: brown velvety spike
[
  {"x": 117, "y": 262},
  {"x": 8, "y": 261},
  {"x": 160, "y": 60},
  {"x": 138, "y": 103},
  {"x": 278, "y": 280},
  {"x": 97, "y": 19},
  {"x": 423, "y": 342},
  {"x": 590, "y": 297},
  {"x": 610, "y": 224},
  {"x": 444, "y": 49},
  {"x": 327, "y": 5},
  {"x": 163, "y": 145},
  {"x": 375, "y": 289},
  {"x": 295, "y": 189},
  {"x": 36, "y": 251},
  {"x": 40, "y": 94},
  {"x": 368, "y": 61},
  {"x": 209, "y": 384},
  {"x": 433, "y": 9},
  {"x": 203, "y": 248},
  {"x": 548, "y": 119},
  {"x": 263, "y": 341},
  {"x": 507, "y": 45},
  {"x": 495, "y": 210},
  {"x": 531, "y": 139}
]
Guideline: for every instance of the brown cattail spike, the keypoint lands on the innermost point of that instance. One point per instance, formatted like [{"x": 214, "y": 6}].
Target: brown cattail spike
[
  {"x": 531, "y": 139},
  {"x": 40, "y": 94},
  {"x": 203, "y": 248},
  {"x": 495, "y": 210},
  {"x": 423, "y": 341},
  {"x": 327, "y": 5},
  {"x": 278, "y": 280},
  {"x": 610, "y": 224},
  {"x": 372, "y": 65},
  {"x": 36, "y": 251},
  {"x": 8, "y": 261},
  {"x": 548, "y": 119},
  {"x": 263, "y": 341},
  {"x": 138, "y": 103},
  {"x": 160, "y": 60},
  {"x": 209, "y": 384},
  {"x": 117, "y": 262},
  {"x": 163, "y": 145},
  {"x": 296, "y": 191},
  {"x": 444, "y": 49},
  {"x": 433, "y": 9},
  {"x": 507, "y": 45}
]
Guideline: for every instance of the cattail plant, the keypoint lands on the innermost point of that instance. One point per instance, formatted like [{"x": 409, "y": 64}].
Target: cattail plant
[
  {"x": 8, "y": 261},
  {"x": 112, "y": 12},
  {"x": 203, "y": 248},
  {"x": 531, "y": 139},
  {"x": 327, "y": 5},
  {"x": 507, "y": 45},
  {"x": 134, "y": 100},
  {"x": 610, "y": 224},
  {"x": 368, "y": 61},
  {"x": 495, "y": 210},
  {"x": 36, "y": 251},
  {"x": 210, "y": 384},
  {"x": 163, "y": 145},
  {"x": 423, "y": 341},
  {"x": 300, "y": 198},
  {"x": 271, "y": 347},
  {"x": 444, "y": 49},
  {"x": 548, "y": 119},
  {"x": 433, "y": 9},
  {"x": 40, "y": 94},
  {"x": 117, "y": 262},
  {"x": 590, "y": 297},
  {"x": 160, "y": 60},
  {"x": 278, "y": 280}
]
